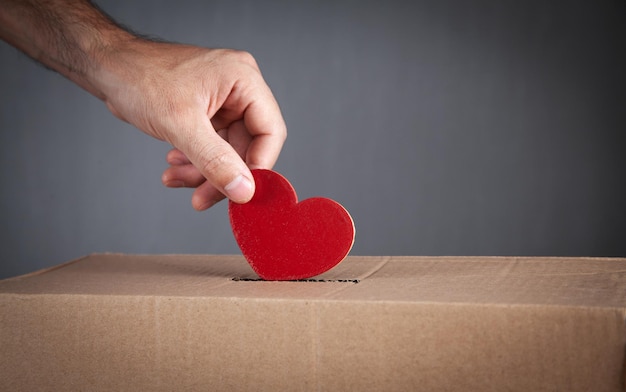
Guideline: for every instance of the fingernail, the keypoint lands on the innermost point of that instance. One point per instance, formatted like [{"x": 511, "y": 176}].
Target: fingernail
[
  {"x": 239, "y": 190},
  {"x": 169, "y": 182}
]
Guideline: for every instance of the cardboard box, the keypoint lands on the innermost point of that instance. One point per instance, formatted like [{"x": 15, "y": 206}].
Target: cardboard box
[{"x": 181, "y": 323}]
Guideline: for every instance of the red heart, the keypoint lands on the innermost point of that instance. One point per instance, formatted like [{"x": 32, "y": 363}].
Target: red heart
[{"x": 286, "y": 240}]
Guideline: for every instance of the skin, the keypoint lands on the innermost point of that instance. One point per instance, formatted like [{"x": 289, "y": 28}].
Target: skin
[{"x": 211, "y": 105}]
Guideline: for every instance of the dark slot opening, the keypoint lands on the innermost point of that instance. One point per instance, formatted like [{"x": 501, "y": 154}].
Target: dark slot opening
[{"x": 355, "y": 281}]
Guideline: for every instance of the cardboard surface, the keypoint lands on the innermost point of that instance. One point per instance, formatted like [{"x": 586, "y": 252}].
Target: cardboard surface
[{"x": 120, "y": 322}]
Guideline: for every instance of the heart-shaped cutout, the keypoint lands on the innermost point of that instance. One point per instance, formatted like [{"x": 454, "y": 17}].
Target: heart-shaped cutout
[{"x": 286, "y": 240}]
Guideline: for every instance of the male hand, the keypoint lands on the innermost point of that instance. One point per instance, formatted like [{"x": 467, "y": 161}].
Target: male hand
[{"x": 212, "y": 105}]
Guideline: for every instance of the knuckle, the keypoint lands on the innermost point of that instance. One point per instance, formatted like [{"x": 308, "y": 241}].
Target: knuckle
[
  {"x": 214, "y": 159},
  {"x": 245, "y": 58},
  {"x": 284, "y": 135}
]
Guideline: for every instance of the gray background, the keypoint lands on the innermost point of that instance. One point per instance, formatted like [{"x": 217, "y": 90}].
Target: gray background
[{"x": 444, "y": 127}]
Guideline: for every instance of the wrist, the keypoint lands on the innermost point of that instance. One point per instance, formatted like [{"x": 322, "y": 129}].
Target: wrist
[{"x": 104, "y": 55}]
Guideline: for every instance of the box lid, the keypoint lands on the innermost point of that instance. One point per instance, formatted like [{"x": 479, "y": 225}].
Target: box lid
[{"x": 587, "y": 282}]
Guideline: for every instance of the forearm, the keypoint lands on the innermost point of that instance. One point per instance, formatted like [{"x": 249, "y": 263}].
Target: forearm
[{"x": 69, "y": 36}]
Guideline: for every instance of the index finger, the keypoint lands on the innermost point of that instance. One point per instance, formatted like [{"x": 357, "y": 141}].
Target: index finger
[{"x": 266, "y": 125}]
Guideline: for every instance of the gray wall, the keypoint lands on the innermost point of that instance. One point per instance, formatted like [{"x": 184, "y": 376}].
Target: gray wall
[{"x": 445, "y": 127}]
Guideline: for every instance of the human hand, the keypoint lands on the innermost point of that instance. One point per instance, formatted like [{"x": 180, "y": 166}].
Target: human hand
[{"x": 212, "y": 105}]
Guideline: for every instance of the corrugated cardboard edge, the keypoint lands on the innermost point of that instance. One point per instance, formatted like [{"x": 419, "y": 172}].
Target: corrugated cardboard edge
[
  {"x": 50, "y": 269},
  {"x": 90, "y": 255}
]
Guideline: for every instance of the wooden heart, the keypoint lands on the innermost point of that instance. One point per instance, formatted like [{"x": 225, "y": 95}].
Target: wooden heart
[{"x": 286, "y": 240}]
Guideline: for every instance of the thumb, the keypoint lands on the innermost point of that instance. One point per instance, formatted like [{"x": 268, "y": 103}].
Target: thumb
[{"x": 218, "y": 162}]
